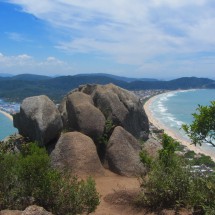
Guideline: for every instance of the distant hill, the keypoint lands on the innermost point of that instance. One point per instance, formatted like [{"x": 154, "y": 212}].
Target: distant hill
[
  {"x": 55, "y": 88},
  {"x": 19, "y": 87},
  {"x": 30, "y": 77},
  {"x": 120, "y": 78},
  {"x": 210, "y": 86},
  {"x": 5, "y": 75},
  {"x": 176, "y": 84}
]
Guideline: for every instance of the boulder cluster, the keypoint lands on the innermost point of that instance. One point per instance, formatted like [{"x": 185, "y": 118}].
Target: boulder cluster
[{"x": 95, "y": 126}]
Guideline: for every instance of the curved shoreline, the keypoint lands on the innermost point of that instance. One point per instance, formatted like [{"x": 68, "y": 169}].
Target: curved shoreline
[
  {"x": 159, "y": 125},
  {"x": 7, "y": 115}
]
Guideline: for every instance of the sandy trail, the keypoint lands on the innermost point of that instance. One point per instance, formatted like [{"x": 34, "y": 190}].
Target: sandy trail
[{"x": 116, "y": 194}]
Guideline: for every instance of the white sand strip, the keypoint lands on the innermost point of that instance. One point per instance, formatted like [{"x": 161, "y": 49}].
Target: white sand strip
[
  {"x": 6, "y": 114},
  {"x": 159, "y": 125}
]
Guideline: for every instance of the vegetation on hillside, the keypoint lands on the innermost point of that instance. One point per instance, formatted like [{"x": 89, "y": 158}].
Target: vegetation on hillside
[
  {"x": 18, "y": 88},
  {"x": 172, "y": 183},
  {"x": 27, "y": 178}
]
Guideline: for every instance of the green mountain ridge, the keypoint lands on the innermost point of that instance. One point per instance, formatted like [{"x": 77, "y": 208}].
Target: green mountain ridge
[{"x": 18, "y": 88}]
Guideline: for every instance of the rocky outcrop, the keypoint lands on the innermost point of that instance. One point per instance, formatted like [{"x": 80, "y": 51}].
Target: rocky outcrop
[
  {"x": 123, "y": 153},
  {"x": 63, "y": 113},
  {"x": 120, "y": 106},
  {"x": 10, "y": 212},
  {"x": 102, "y": 120},
  {"x": 123, "y": 108},
  {"x": 77, "y": 153},
  {"x": 83, "y": 116},
  {"x": 38, "y": 119},
  {"x": 35, "y": 210},
  {"x": 31, "y": 210},
  {"x": 152, "y": 147}
]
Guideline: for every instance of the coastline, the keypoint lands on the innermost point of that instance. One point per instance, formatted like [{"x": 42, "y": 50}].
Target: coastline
[
  {"x": 7, "y": 115},
  {"x": 159, "y": 125}
]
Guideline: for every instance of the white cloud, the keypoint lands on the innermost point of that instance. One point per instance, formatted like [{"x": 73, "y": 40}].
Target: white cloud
[
  {"x": 131, "y": 31},
  {"x": 17, "y": 37},
  {"x": 178, "y": 3},
  {"x": 27, "y": 64}
]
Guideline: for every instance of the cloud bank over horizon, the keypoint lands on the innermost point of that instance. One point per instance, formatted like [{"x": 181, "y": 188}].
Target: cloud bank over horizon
[{"x": 157, "y": 38}]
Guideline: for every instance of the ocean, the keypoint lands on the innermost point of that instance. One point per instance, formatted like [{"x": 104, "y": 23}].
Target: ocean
[
  {"x": 175, "y": 108},
  {"x": 6, "y": 125}
]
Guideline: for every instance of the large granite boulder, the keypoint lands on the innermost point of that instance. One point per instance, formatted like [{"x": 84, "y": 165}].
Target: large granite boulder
[
  {"x": 123, "y": 108},
  {"x": 152, "y": 147},
  {"x": 120, "y": 106},
  {"x": 122, "y": 153},
  {"x": 83, "y": 116},
  {"x": 38, "y": 119},
  {"x": 76, "y": 153},
  {"x": 63, "y": 113}
]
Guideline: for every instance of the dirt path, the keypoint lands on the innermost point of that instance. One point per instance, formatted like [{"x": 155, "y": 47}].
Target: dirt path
[{"x": 116, "y": 193}]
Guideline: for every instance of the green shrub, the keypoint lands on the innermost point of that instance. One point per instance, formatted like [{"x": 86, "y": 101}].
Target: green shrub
[
  {"x": 166, "y": 186},
  {"x": 190, "y": 154},
  {"x": 202, "y": 194},
  {"x": 168, "y": 152},
  {"x": 27, "y": 178},
  {"x": 146, "y": 159},
  {"x": 171, "y": 183},
  {"x": 77, "y": 196},
  {"x": 204, "y": 160}
]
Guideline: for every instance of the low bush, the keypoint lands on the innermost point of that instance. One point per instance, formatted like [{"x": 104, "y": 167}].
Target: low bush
[
  {"x": 204, "y": 160},
  {"x": 27, "y": 178},
  {"x": 190, "y": 154},
  {"x": 171, "y": 183},
  {"x": 165, "y": 187},
  {"x": 146, "y": 159}
]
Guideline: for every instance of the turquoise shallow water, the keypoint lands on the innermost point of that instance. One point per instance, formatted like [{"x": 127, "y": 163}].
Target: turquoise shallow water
[
  {"x": 175, "y": 108},
  {"x": 6, "y": 127}
]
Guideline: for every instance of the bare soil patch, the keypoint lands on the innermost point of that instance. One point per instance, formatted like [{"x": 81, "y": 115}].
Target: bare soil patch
[{"x": 118, "y": 195}]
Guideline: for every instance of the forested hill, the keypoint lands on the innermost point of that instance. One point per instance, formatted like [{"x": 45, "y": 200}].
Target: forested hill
[
  {"x": 180, "y": 83},
  {"x": 17, "y": 88}
]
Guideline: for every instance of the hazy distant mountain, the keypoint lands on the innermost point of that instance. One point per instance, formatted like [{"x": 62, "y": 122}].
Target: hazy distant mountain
[
  {"x": 30, "y": 77},
  {"x": 120, "y": 78},
  {"x": 210, "y": 86},
  {"x": 21, "y": 86},
  {"x": 5, "y": 75},
  {"x": 180, "y": 83}
]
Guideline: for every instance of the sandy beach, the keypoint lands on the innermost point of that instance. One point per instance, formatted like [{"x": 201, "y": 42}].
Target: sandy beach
[
  {"x": 159, "y": 125},
  {"x": 6, "y": 114}
]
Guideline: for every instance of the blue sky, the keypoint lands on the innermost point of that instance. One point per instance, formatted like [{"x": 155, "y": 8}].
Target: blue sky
[{"x": 134, "y": 38}]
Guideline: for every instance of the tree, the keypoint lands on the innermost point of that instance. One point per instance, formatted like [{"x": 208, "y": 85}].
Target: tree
[{"x": 202, "y": 129}]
